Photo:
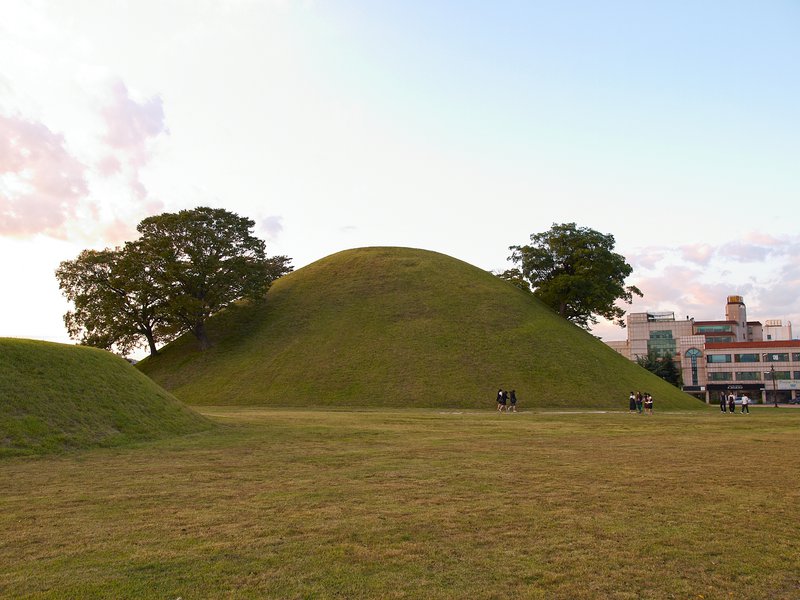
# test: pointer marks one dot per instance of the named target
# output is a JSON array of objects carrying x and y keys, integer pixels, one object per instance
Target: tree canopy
[
  {"x": 575, "y": 271},
  {"x": 116, "y": 300},
  {"x": 663, "y": 365},
  {"x": 515, "y": 278},
  {"x": 184, "y": 267}
]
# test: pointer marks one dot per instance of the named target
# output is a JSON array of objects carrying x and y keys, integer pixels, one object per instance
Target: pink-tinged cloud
[
  {"x": 646, "y": 258},
  {"x": 41, "y": 183},
  {"x": 137, "y": 188},
  {"x": 761, "y": 239},
  {"x": 121, "y": 227},
  {"x": 700, "y": 254},
  {"x": 667, "y": 290},
  {"x": 759, "y": 247},
  {"x": 153, "y": 206},
  {"x": 746, "y": 252},
  {"x": 109, "y": 165},
  {"x": 700, "y": 290},
  {"x": 782, "y": 295},
  {"x": 130, "y": 128},
  {"x": 119, "y": 232},
  {"x": 687, "y": 292},
  {"x": 130, "y": 125}
]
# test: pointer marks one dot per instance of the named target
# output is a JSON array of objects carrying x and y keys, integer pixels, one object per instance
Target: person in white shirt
[{"x": 745, "y": 404}]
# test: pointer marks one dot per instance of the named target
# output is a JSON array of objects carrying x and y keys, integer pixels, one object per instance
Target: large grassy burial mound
[
  {"x": 56, "y": 397},
  {"x": 400, "y": 327}
]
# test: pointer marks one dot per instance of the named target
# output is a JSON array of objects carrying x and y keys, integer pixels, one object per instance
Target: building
[
  {"x": 768, "y": 370},
  {"x": 716, "y": 357},
  {"x": 775, "y": 330}
]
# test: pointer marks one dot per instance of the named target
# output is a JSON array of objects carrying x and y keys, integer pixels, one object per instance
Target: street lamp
[{"x": 774, "y": 390}]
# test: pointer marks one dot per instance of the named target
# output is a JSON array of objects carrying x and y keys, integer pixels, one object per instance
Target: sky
[{"x": 456, "y": 126}]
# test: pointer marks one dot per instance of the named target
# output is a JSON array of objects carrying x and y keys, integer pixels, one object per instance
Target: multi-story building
[
  {"x": 721, "y": 356},
  {"x": 768, "y": 370}
]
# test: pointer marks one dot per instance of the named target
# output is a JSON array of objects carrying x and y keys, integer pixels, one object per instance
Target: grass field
[{"x": 418, "y": 503}]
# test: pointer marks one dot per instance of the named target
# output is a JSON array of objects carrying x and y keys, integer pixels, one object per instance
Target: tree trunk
[
  {"x": 199, "y": 331},
  {"x": 151, "y": 343}
]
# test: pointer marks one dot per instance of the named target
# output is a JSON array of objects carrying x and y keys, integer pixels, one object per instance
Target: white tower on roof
[{"x": 736, "y": 311}]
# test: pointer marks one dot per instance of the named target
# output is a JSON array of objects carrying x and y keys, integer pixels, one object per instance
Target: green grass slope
[
  {"x": 400, "y": 327},
  {"x": 56, "y": 397}
]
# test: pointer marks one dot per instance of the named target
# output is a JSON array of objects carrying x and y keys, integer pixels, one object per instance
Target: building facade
[{"x": 730, "y": 355}]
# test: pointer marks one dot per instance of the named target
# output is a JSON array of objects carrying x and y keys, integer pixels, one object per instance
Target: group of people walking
[
  {"x": 506, "y": 401},
  {"x": 730, "y": 401},
  {"x": 639, "y": 402}
]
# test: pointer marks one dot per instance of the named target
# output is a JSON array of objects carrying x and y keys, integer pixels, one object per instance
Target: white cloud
[{"x": 272, "y": 226}]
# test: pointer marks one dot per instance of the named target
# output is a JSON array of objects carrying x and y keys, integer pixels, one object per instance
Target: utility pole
[{"x": 774, "y": 389}]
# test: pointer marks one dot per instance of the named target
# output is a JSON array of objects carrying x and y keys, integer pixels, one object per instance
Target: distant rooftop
[{"x": 661, "y": 316}]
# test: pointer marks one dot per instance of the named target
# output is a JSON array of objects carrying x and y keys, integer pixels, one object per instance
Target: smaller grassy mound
[{"x": 55, "y": 397}]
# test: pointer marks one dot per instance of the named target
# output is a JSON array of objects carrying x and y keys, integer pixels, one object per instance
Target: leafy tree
[
  {"x": 515, "y": 277},
  {"x": 184, "y": 268},
  {"x": 662, "y": 365},
  {"x": 205, "y": 259},
  {"x": 575, "y": 271},
  {"x": 117, "y": 301}
]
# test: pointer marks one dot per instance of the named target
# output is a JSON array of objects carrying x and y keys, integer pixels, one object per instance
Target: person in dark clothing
[
  {"x": 639, "y": 402},
  {"x": 512, "y": 397},
  {"x": 632, "y": 402},
  {"x": 501, "y": 402},
  {"x": 722, "y": 402},
  {"x": 732, "y": 403}
]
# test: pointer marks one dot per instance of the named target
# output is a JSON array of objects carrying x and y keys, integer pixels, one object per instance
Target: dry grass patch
[{"x": 416, "y": 503}]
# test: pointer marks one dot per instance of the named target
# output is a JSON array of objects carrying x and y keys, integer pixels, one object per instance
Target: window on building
[
  {"x": 718, "y": 358},
  {"x": 779, "y": 375},
  {"x": 694, "y": 354},
  {"x": 796, "y": 356},
  {"x": 748, "y": 376},
  {"x": 775, "y": 357},
  {"x": 662, "y": 342},
  {"x": 746, "y": 358},
  {"x": 720, "y": 376},
  {"x": 796, "y": 375},
  {"x": 720, "y": 339},
  {"x": 714, "y": 329}
]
